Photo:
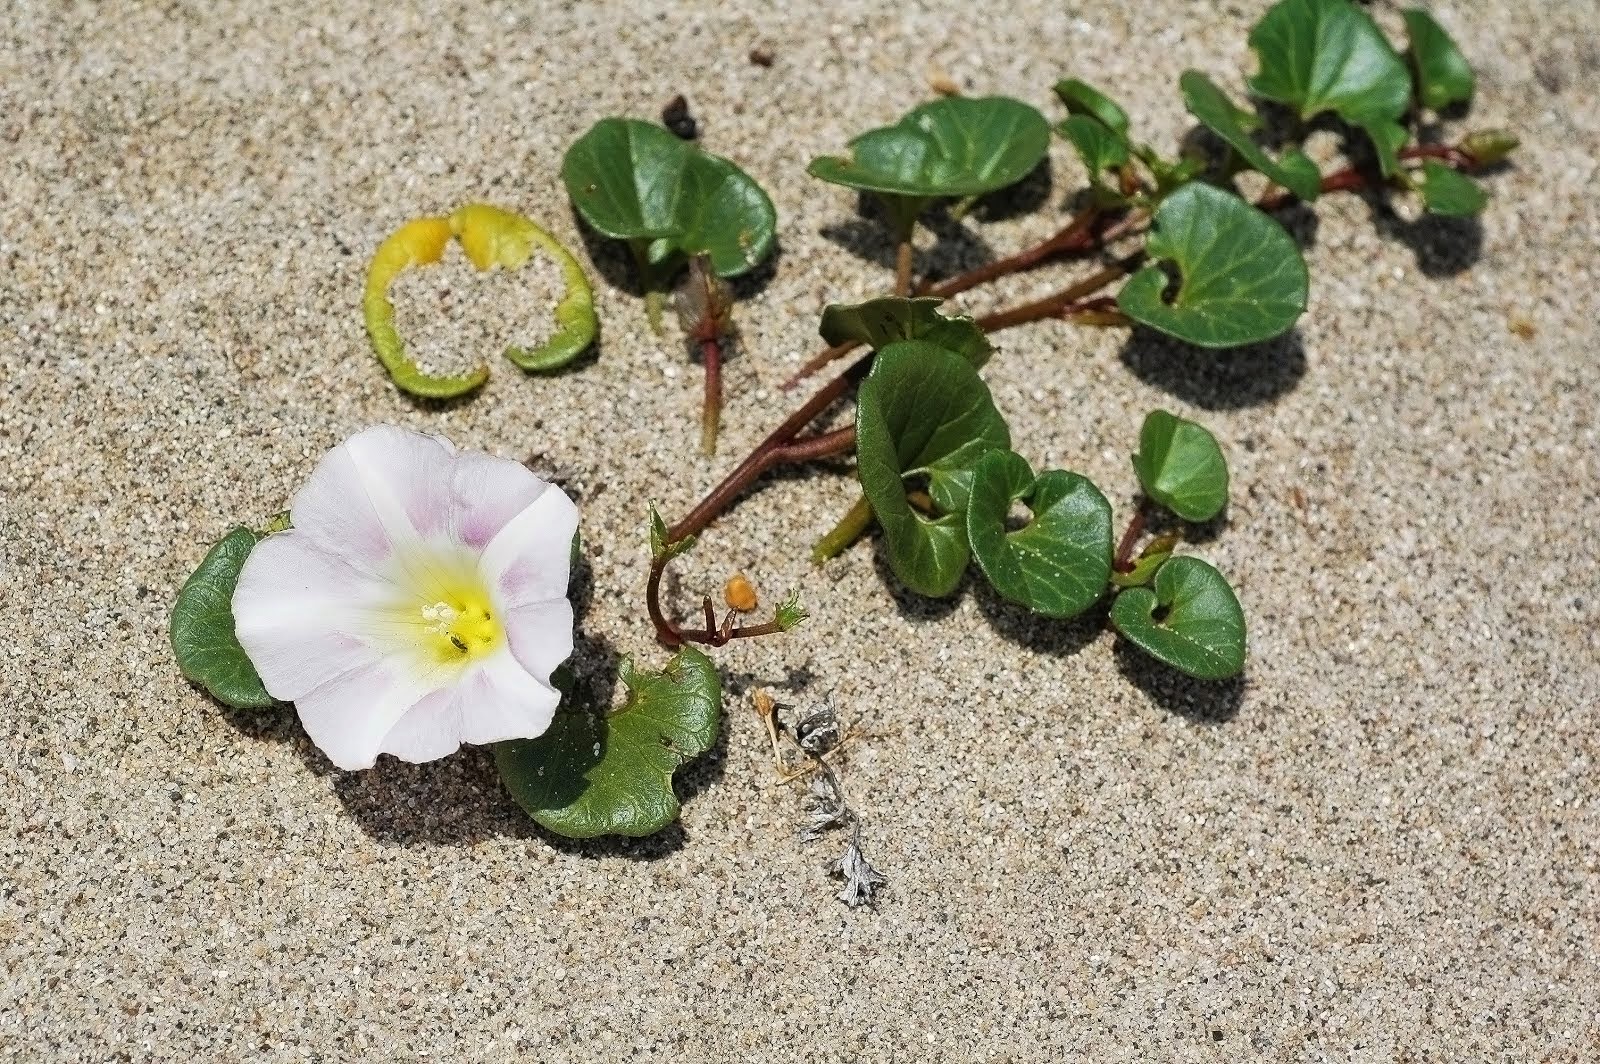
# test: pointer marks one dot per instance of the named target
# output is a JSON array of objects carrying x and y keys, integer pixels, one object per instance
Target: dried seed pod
[{"x": 704, "y": 302}]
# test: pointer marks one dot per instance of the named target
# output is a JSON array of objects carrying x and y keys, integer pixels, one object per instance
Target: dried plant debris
[
  {"x": 816, "y": 737},
  {"x": 676, "y": 117},
  {"x": 861, "y": 880}
]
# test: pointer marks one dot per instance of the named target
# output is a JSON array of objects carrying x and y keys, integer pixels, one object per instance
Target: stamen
[{"x": 442, "y": 615}]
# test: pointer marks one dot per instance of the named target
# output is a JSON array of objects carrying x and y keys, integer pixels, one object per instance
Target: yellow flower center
[{"x": 460, "y": 625}]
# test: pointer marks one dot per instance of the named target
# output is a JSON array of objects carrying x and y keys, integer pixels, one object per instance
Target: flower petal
[
  {"x": 349, "y": 716},
  {"x": 540, "y": 634},
  {"x": 294, "y": 610},
  {"x": 530, "y": 560},
  {"x": 493, "y": 701},
  {"x": 382, "y": 489},
  {"x": 487, "y": 492}
]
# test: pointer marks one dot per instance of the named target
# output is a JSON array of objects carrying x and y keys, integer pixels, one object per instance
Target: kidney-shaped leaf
[
  {"x": 202, "y": 628},
  {"x": 1181, "y": 466},
  {"x": 924, "y": 412},
  {"x": 881, "y": 322},
  {"x": 1443, "y": 75},
  {"x": 1234, "y": 125},
  {"x": 1328, "y": 55},
  {"x": 1449, "y": 192},
  {"x": 958, "y": 146},
  {"x": 1059, "y": 562},
  {"x": 594, "y": 775},
  {"x": 1242, "y": 278},
  {"x": 1190, "y": 620},
  {"x": 636, "y": 181}
]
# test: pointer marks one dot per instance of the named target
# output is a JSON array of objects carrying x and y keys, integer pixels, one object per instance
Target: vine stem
[
  {"x": 902, "y": 267},
  {"x": 672, "y": 636},
  {"x": 1064, "y": 302},
  {"x": 781, "y": 446},
  {"x": 1077, "y": 235},
  {"x": 711, "y": 408},
  {"x": 849, "y": 529},
  {"x": 1350, "y": 179},
  {"x": 1091, "y": 230},
  {"x": 1123, "y": 562},
  {"x": 1088, "y": 231}
]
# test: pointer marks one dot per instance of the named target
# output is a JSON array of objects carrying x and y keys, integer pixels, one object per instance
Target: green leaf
[
  {"x": 1181, "y": 466},
  {"x": 880, "y": 322},
  {"x": 1442, "y": 72},
  {"x": 1201, "y": 627},
  {"x": 1234, "y": 125},
  {"x": 1242, "y": 276},
  {"x": 1449, "y": 192},
  {"x": 1100, "y": 148},
  {"x": 661, "y": 548},
  {"x": 1387, "y": 140},
  {"x": 1058, "y": 564},
  {"x": 202, "y": 629},
  {"x": 924, "y": 412},
  {"x": 790, "y": 614},
  {"x": 958, "y": 146},
  {"x": 1144, "y": 569},
  {"x": 1328, "y": 55},
  {"x": 1083, "y": 99},
  {"x": 636, "y": 181},
  {"x": 594, "y": 775}
]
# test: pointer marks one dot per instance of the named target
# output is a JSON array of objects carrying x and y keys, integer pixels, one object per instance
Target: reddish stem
[
  {"x": 671, "y": 636},
  {"x": 1067, "y": 301},
  {"x": 1123, "y": 562},
  {"x": 1350, "y": 178},
  {"x": 1078, "y": 235},
  {"x": 711, "y": 409},
  {"x": 779, "y": 447},
  {"x": 819, "y": 360}
]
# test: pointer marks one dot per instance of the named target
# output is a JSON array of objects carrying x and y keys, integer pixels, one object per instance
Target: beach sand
[{"x": 1380, "y": 844}]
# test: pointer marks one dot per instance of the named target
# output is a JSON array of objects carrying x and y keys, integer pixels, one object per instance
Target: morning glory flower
[{"x": 418, "y": 603}]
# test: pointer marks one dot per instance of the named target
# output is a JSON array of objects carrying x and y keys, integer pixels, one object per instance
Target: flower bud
[{"x": 1489, "y": 146}]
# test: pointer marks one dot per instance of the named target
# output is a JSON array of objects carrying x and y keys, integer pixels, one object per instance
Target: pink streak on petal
[
  {"x": 486, "y": 493},
  {"x": 530, "y": 560},
  {"x": 406, "y": 477}
]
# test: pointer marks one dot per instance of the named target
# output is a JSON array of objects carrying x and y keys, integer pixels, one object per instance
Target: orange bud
[{"x": 739, "y": 594}]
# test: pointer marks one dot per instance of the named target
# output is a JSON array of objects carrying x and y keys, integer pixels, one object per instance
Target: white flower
[{"x": 419, "y": 601}]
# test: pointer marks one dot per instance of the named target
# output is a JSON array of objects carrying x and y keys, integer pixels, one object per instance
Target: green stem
[
  {"x": 655, "y": 301},
  {"x": 849, "y": 529}
]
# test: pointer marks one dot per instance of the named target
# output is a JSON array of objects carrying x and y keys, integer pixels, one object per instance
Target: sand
[{"x": 1379, "y": 845}]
